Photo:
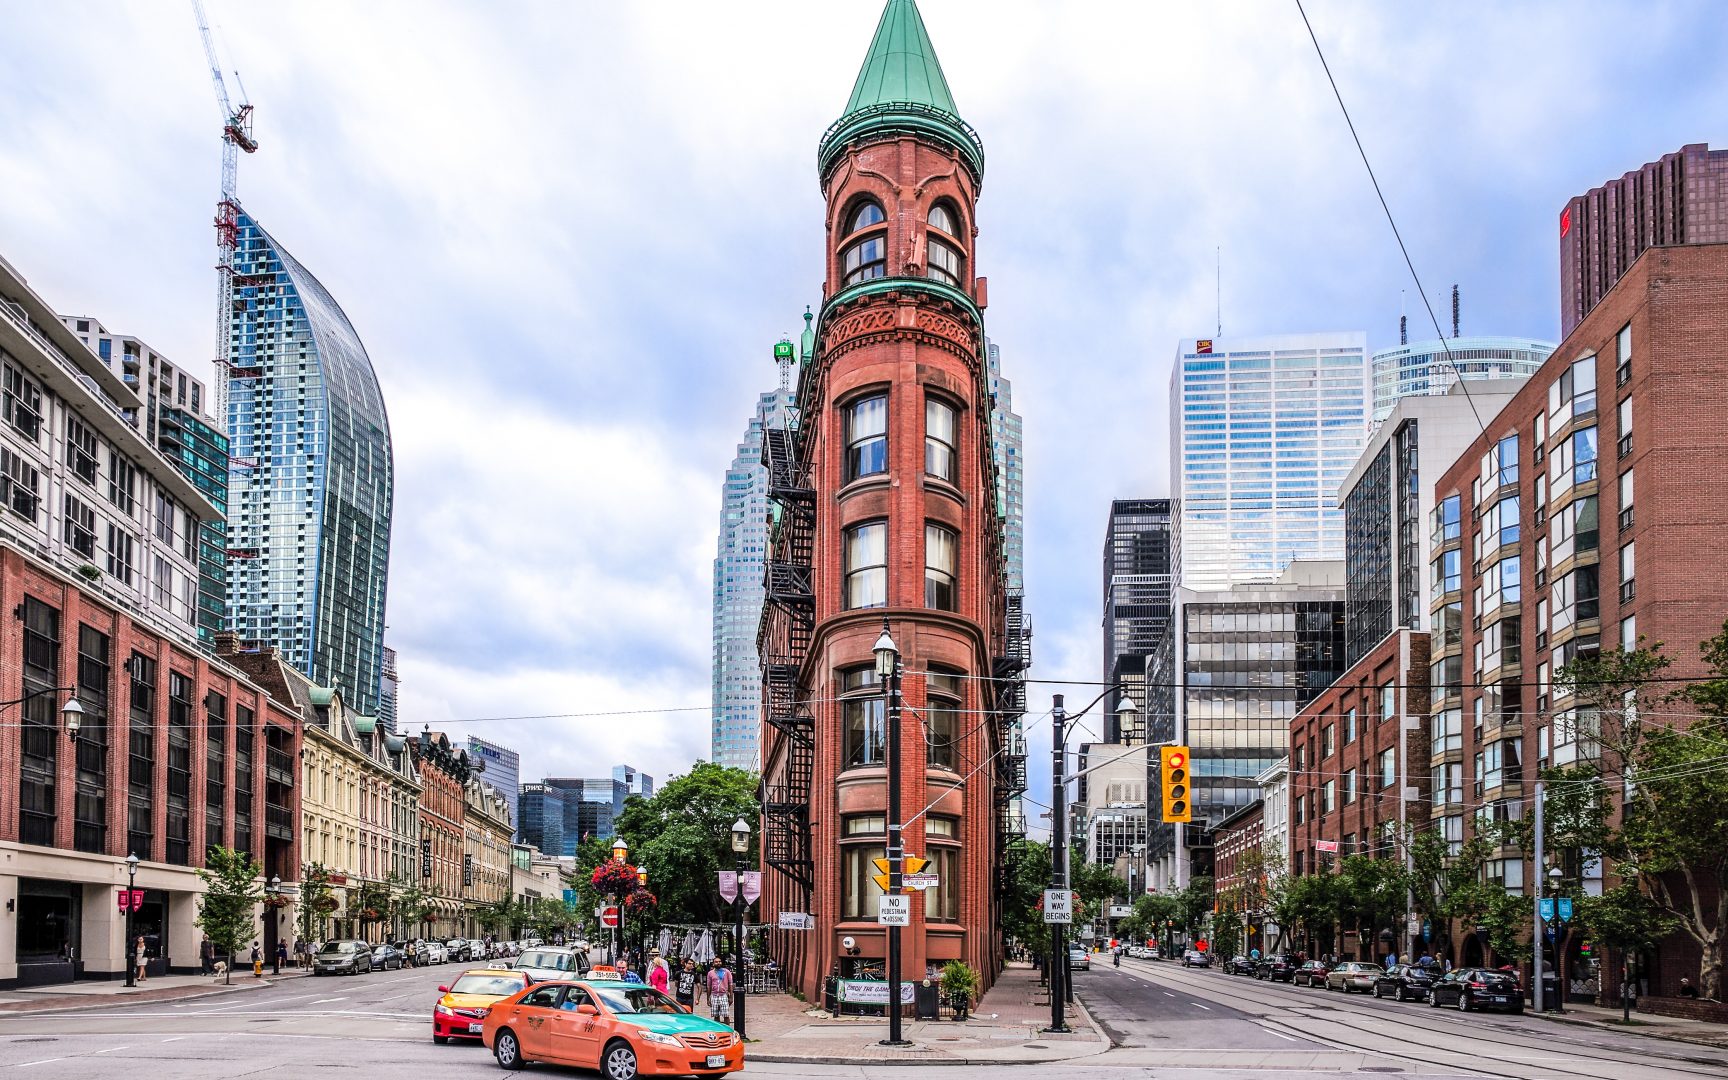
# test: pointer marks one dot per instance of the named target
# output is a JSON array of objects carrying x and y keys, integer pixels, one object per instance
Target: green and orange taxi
[
  {"x": 466, "y": 1001},
  {"x": 623, "y": 1029}
]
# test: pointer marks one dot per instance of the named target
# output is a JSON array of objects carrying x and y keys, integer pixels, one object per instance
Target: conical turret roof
[{"x": 901, "y": 89}]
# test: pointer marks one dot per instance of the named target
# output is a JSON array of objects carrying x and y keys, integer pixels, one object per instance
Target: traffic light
[{"x": 1173, "y": 770}]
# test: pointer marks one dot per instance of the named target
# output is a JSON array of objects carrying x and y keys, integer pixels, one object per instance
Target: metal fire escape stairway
[
  {"x": 783, "y": 642},
  {"x": 1010, "y": 685}
]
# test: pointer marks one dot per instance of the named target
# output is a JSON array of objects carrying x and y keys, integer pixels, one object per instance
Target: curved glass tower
[
  {"x": 1426, "y": 368},
  {"x": 310, "y": 480}
]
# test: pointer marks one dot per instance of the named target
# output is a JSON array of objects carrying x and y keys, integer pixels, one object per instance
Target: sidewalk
[
  {"x": 1004, "y": 1029},
  {"x": 1674, "y": 1028},
  {"x": 115, "y": 991}
]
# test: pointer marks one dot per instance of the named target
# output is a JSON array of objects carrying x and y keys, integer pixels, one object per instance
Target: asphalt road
[{"x": 1166, "y": 1023}]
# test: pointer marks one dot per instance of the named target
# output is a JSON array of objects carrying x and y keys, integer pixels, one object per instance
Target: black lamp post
[
  {"x": 641, "y": 923},
  {"x": 888, "y": 674},
  {"x": 740, "y": 849},
  {"x": 131, "y": 941},
  {"x": 619, "y": 850},
  {"x": 274, "y": 889}
]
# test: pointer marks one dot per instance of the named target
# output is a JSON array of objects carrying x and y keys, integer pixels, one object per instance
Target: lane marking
[
  {"x": 1197, "y": 1005},
  {"x": 176, "y": 1038},
  {"x": 1168, "y": 994},
  {"x": 27, "y": 1064},
  {"x": 1280, "y": 1034},
  {"x": 111, "y": 1049},
  {"x": 321, "y": 1001}
]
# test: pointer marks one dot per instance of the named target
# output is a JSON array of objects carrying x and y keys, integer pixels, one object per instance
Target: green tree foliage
[
  {"x": 683, "y": 835},
  {"x": 1372, "y": 895},
  {"x": 1227, "y": 935},
  {"x": 413, "y": 907},
  {"x": 1024, "y": 880},
  {"x": 1153, "y": 914},
  {"x": 227, "y": 910},
  {"x": 1097, "y": 885},
  {"x": 1625, "y": 918},
  {"x": 1194, "y": 903},
  {"x": 316, "y": 902}
]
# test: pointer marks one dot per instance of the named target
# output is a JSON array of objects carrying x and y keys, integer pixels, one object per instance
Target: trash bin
[
  {"x": 926, "y": 1000},
  {"x": 1550, "y": 994}
]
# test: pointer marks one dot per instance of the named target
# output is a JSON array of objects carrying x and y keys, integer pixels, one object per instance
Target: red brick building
[
  {"x": 888, "y": 509},
  {"x": 177, "y": 751},
  {"x": 444, "y": 773},
  {"x": 1239, "y": 875},
  {"x": 1359, "y": 771},
  {"x": 1589, "y": 514}
]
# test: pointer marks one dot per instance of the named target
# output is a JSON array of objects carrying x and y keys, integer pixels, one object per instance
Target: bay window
[
  {"x": 867, "y": 437},
  {"x": 867, "y": 565}
]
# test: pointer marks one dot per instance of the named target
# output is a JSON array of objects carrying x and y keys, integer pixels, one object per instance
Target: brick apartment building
[
  {"x": 1589, "y": 514},
  {"x": 444, "y": 773},
  {"x": 887, "y": 510}
]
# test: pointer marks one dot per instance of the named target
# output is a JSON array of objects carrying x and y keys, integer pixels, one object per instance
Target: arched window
[
  {"x": 864, "y": 215},
  {"x": 942, "y": 217},
  {"x": 943, "y": 261},
  {"x": 865, "y": 258}
]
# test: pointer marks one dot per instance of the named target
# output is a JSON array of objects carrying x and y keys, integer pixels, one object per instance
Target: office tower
[
  {"x": 1387, "y": 500},
  {"x": 1234, "y": 668},
  {"x": 635, "y": 783},
  {"x": 501, "y": 767},
  {"x": 1008, "y": 448},
  {"x": 1680, "y": 199},
  {"x": 542, "y": 819},
  {"x": 737, "y": 674},
  {"x": 1434, "y": 367},
  {"x": 1137, "y": 585},
  {"x": 1262, "y": 430},
  {"x": 311, "y": 478},
  {"x": 388, "y": 684},
  {"x": 887, "y": 505}
]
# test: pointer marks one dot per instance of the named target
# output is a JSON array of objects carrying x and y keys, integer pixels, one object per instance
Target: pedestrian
[
  {"x": 141, "y": 958},
  {"x": 257, "y": 961},
  {"x": 658, "y": 976},
  {"x": 719, "y": 987},
  {"x": 206, "y": 956},
  {"x": 1687, "y": 990},
  {"x": 281, "y": 957},
  {"x": 684, "y": 990}
]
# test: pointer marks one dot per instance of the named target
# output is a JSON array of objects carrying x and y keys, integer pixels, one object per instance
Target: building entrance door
[{"x": 50, "y": 915}]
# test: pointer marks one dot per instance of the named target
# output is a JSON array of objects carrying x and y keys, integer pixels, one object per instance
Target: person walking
[
  {"x": 684, "y": 989},
  {"x": 257, "y": 961},
  {"x": 207, "y": 956},
  {"x": 658, "y": 977},
  {"x": 140, "y": 958},
  {"x": 281, "y": 957},
  {"x": 719, "y": 987}
]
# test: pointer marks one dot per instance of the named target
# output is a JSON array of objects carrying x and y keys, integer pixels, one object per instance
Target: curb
[
  {"x": 1098, "y": 1044},
  {"x": 1665, "y": 1036},
  {"x": 148, "y": 997}
]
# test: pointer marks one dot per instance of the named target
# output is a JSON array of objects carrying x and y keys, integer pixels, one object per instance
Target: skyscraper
[
  {"x": 502, "y": 769},
  {"x": 635, "y": 781},
  {"x": 388, "y": 685},
  {"x": 1137, "y": 586},
  {"x": 1680, "y": 199},
  {"x": 310, "y": 482},
  {"x": 1433, "y": 367},
  {"x": 542, "y": 820},
  {"x": 1262, "y": 432},
  {"x": 737, "y": 674},
  {"x": 1009, "y": 451}
]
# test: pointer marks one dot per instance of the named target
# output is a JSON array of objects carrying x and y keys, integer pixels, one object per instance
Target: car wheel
[
  {"x": 507, "y": 1050},
  {"x": 1463, "y": 1002},
  {"x": 440, "y": 1039},
  {"x": 619, "y": 1061}
]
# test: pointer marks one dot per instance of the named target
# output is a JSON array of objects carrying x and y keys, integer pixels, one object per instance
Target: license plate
[
  {"x": 715, "y": 1061},
  {"x": 474, "y": 1029},
  {"x": 1500, "y": 997}
]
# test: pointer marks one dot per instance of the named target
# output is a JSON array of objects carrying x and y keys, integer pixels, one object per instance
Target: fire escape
[
  {"x": 1010, "y": 669},
  {"x": 783, "y": 642}
]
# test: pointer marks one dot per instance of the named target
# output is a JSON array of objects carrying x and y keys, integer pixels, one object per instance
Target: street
[{"x": 1163, "y": 1021}]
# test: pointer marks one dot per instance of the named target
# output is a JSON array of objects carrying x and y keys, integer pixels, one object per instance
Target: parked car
[
  {"x": 1478, "y": 988},
  {"x": 625, "y": 1030},
  {"x": 1079, "y": 959},
  {"x": 1353, "y": 975},
  {"x": 342, "y": 957},
  {"x": 1239, "y": 965},
  {"x": 432, "y": 952},
  {"x": 1310, "y": 973},
  {"x": 1196, "y": 958},
  {"x": 1139, "y": 952},
  {"x": 551, "y": 962},
  {"x": 1405, "y": 982},
  {"x": 385, "y": 957},
  {"x": 464, "y": 1004},
  {"x": 1276, "y": 968}
]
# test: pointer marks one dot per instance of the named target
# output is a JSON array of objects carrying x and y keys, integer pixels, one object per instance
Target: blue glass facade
[
  {"x": 1263, "y": 432},
  {"x": 311, "y": 478},
  {"x": 1427, "y": 368},
  {"x": 201, "y": 452},
  {"x": 541, "y": 820}
]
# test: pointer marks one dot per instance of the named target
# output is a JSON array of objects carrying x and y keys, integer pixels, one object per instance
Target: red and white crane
[{"x": 236, "y": 136}]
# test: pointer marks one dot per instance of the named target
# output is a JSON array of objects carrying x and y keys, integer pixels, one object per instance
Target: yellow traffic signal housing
[{"x": 1173, "y": 774}]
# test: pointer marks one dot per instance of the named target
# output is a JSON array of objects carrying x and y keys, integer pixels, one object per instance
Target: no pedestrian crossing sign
[
  {"x": 1058, "y": 906},
  {"x": 894, "y": 910}
]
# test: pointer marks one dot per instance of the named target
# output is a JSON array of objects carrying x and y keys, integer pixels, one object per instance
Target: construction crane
[{"x": 236, "y": 136}]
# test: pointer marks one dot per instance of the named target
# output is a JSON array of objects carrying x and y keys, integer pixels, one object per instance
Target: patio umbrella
[
  {"x": 665, "y": 943},
  {"x": 705, "y": 947},
  {"x": 689, "y": 947}
]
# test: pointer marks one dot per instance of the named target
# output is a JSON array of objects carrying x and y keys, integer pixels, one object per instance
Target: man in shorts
[{"x": 719, "y": 986}]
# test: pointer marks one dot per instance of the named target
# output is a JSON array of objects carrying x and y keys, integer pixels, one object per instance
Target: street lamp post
[
  {"x": 642, "y": 924},
  {"x": 619, "y": 850},
  {"x": 740, "y": 849},
  {"x": 274, "y": 889},
  {"x": 1554, "y": 878},
  {"x": 1061, "y": 979},
  {"x": 888, "y": 673},
  {"x": 131, "y": 942}
]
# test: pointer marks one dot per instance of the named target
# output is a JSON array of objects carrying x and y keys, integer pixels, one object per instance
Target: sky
[{"x": 570, "y": 232}]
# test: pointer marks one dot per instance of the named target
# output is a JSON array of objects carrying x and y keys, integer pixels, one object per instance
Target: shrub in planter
[{"x": 960, "y": 985}]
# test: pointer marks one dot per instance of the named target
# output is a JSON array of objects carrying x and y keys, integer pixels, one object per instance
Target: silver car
[
  {"x": 342, "y": 958},
  {"x": 1354, "y": 976},
  {"x": 551, "y": 963}
]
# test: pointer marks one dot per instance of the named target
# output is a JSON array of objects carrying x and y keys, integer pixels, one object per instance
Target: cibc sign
[{"x": 131, "y": 899}]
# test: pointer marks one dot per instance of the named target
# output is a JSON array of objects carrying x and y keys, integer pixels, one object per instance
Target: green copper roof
[
  {"x": 901, "y": 65},
  {"x": 901, "y": 90}
]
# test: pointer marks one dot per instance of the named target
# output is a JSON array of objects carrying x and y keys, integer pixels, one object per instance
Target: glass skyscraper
[
  {"x": 311, "y": 478},
  {"x": 1424, "y": 368},
  {"x": 1263, "y": 430},
  {"x": 1137, "y": 585},
  {"x": 542, "y": 820},
  {"x": 1009, "y": 451},
  {"x": 738, "y": 564},
  {"x": 503, "y": 771}
]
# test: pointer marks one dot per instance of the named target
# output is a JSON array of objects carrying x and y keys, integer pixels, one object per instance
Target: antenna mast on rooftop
[{"x": 236, "y": 136}]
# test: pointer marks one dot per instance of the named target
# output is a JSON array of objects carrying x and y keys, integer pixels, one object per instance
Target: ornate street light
[
  {"x": 740, "y": 848},
  {"x": 72, "y": 714}
]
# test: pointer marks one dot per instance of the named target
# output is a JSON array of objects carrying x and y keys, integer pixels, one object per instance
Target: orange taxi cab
[
  {"x": 462, "y": 1009},
  {"x": 622, "y": 1029}
]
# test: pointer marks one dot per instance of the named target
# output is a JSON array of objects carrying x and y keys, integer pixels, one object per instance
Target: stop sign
[{"x": 609, "y": 916}]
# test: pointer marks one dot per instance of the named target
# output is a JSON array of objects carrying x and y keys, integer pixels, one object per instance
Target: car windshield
[
  {"x": 625, "y": 1000},
  {"x": 496, "y": 985},
  {"x": 337, "y": 948},
  {"x": 557, "y": 961}
]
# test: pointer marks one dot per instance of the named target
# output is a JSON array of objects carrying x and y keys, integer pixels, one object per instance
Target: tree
[
  {"x": 1315, "y": 903},
  {"x": 413, "y": 907},
  {"x": 499, "y": 915},
  {"x": 1194, "y": 903},
  {"x": 1095, "y": 883},
  {"x": 682, "y": 834},
  {"x": 1025, "y": 877},
  {"x": 316, "y": 902},
  {"x": 1373, "y": 893},
  {"x": 1155, "y": 912},
  {"x": 1626, "y": 919},
  {"x": 227, "y": 910}
]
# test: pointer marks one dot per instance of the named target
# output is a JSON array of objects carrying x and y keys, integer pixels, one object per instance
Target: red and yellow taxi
[
  {"x": 623, "y": 1029},
  {"x": 461, "y": 1011}
]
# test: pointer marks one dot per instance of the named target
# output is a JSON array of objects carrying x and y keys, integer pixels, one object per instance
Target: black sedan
[
  {"x": 1311, "y": 973},
  {"x": 1478, "y": 988},
  {"x": 1406, "y": 982},
  {"x": 1277, "y": 968},
  {"x": 386, "y": 957},
  {"x": 1238, "y": 965}
]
